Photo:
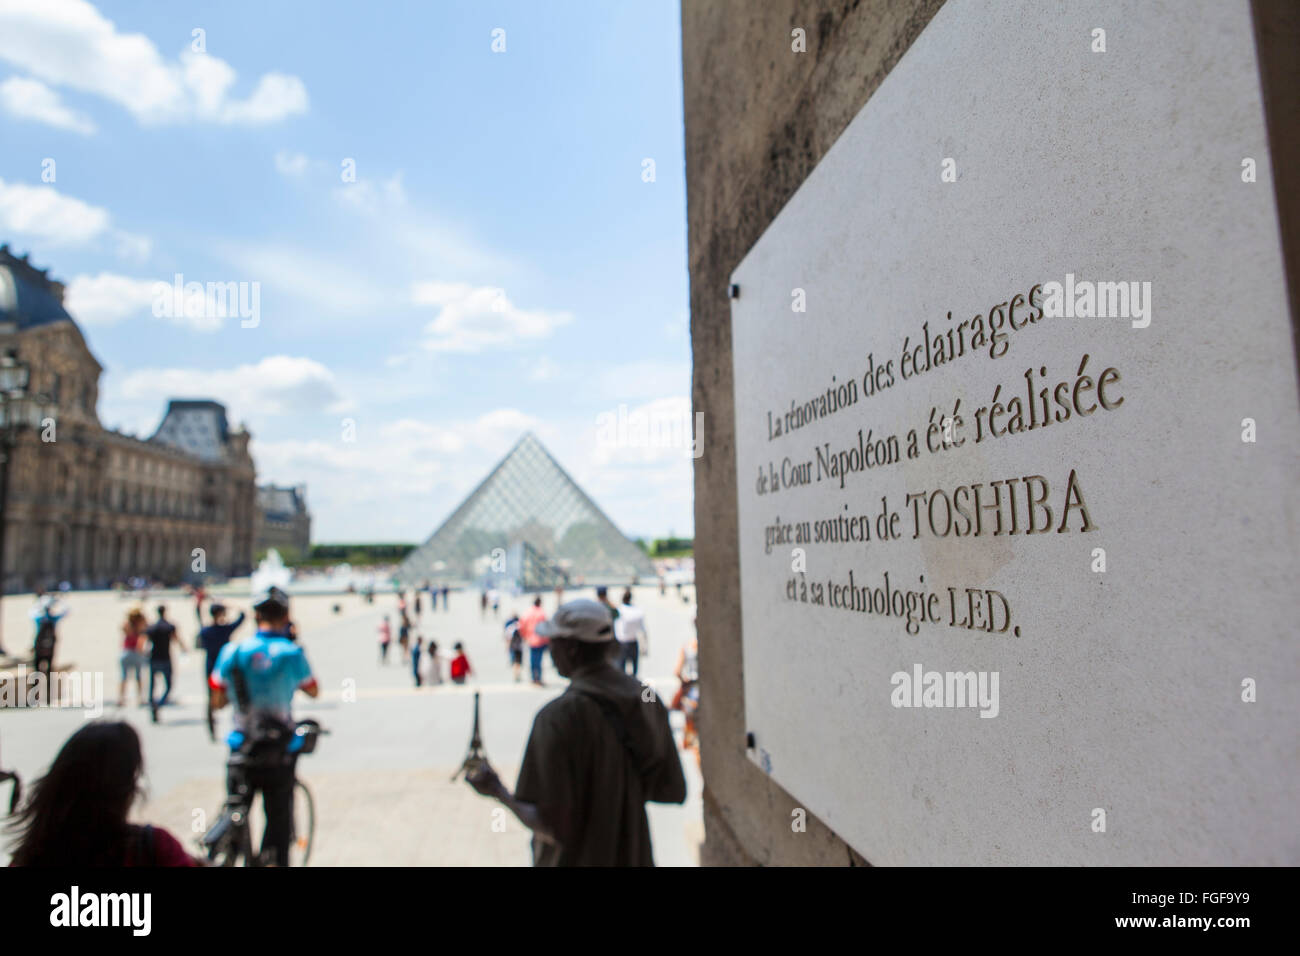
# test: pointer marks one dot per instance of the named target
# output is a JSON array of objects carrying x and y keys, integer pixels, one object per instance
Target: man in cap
[
  {"x": 211, "y": 640},
  {"x": 264, "y": 671},
  {"x": 596, "y": 754}
]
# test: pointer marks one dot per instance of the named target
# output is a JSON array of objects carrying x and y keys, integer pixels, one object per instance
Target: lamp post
[{"x": 18, "y": 410}]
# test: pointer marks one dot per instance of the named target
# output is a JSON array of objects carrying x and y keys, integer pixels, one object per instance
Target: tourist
[
  {"x": 76, "y": 815},
  {"x": 133, "y": 659},
  {"x": 536, "y": 642},
  {"x": 446, "y": 603},
  {"x": 630, "y": 629},
  {"x": 269, "y": 669},
  {"x": 415, "y": 660},
  {"x": 161, "y": 634},
  {"x": 460, "y": 668},
  {"x": 419, "y": 608},
  {"x": 602, "y": 595},
  {"x": 404, "y": 637},
  {"x": 596, "y": 754},
  {"x": 482, "y": 604},
  {"x": 200, "y": 595},
  {"x": 515, "y": 645},
  {"x": 494, "y": 596},
  {"x": 46, "y": 615},
  {"x": 687, "y": 698},
  {"x": 385, "y": 638},
  {"x": 433, "y": 666},
  {"x": 211, "y": 640}
]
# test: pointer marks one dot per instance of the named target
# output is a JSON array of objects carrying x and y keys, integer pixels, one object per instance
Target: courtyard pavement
[{"x": 382, "y": 778}]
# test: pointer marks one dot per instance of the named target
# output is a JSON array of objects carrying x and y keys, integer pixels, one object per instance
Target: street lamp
[{"x": 18, "y": 410}]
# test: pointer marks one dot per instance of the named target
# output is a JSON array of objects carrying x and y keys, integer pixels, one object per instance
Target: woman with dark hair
[{"x": 76, "y": 815}]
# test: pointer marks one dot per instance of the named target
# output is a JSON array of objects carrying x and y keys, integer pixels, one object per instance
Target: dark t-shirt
[
  {"x": 160, "y": 640},
  {"x": 582, "y": 778},
  {"x": 214, "y": 637}
]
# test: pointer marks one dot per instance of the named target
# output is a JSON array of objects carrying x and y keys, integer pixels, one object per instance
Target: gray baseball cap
[{"x": 582, "y": 620}]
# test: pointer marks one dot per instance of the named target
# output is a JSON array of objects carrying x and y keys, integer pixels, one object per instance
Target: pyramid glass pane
[{"x": 527, "y": 499}]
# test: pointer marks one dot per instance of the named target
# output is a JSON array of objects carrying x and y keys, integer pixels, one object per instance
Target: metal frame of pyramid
[{"x": 527, "y": 525}]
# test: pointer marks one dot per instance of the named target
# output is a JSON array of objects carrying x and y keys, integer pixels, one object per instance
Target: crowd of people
[
  {"x": 624, "y": 751},
  {"x": 425, "y": 660}
]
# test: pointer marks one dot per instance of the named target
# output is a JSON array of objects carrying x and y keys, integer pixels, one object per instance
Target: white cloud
[
  {"x": 277, "y": 385},
  {"x": 107, "y": 298},
  {"x": 333, "y": 285},
  {"x": 490, "y": 432},
  {"x": 366, "y": 196},
  {"x": 69, "y": 43},
  {"x": 43, "y": 213},
  {"x": 29, "y": 99},
  {"x": 475, "y": 318},
  {"x": 415, "y": 237},
  {"x": 398, "y": 478},
  {"x": 657, "y": 431},
  {"x": 290, "y": 164},
  {"x": 131, "y": 246}
]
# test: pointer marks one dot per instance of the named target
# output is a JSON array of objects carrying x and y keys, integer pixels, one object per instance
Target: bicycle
[{"x": 229, "y": 840}]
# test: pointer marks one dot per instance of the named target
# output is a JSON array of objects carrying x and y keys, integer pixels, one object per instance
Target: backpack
[{"x": 45, "y": 636}]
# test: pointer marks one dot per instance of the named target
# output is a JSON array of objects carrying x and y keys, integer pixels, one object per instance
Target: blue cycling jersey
[{"x": 274, "y": 667}]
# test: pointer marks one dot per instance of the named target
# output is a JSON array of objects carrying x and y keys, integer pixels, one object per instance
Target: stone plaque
[{"x": 1017, "y": 434}]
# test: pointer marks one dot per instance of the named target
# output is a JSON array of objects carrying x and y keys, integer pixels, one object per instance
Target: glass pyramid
[{"x": 527, "y": 525}]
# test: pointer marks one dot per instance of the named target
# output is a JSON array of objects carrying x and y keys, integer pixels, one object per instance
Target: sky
[{"x": 449, "y": 223}]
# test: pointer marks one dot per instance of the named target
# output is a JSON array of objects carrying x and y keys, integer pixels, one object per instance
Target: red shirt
[
  {"x": 167, "y": 850},
  {"x": 528, "y": 627},
  {"x": 130, "y": 638},
  {"x": 459, "y": 666}
]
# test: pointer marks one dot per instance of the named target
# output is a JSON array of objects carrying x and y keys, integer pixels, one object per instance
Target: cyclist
[{"x": 262, "y": 672}]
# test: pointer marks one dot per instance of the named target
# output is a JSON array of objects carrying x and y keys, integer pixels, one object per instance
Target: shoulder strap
[
  {"x": 619, "y": 726},
  {"x": 144, "y": 846},
  {"x": 239, "y": 682}
]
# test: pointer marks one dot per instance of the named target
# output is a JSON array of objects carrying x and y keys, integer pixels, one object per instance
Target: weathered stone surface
[
  {"x": 1130, "y": 169},
  {"x": 758, "y": 118}
]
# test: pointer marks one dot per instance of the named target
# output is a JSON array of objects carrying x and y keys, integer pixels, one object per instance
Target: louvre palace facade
[{"x": 91, "y": 506}]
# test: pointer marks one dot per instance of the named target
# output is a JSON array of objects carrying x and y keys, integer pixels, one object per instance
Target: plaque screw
[
  {"x": 733, "y": 291},
  {"x": 749, "y": 740}
]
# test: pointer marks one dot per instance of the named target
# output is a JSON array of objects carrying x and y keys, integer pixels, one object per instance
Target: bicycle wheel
[
  {"x": 232, "y": 844},
  {"x": 304, "y": 825}
]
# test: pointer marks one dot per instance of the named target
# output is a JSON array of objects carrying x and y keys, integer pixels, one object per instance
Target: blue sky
[{"x": 499, "y": 263}]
